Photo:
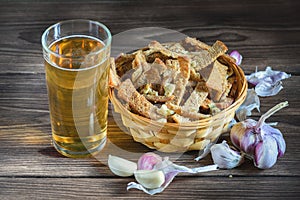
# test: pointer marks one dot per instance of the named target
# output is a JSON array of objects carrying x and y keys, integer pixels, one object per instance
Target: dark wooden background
[{"x": 266, "y": 33}]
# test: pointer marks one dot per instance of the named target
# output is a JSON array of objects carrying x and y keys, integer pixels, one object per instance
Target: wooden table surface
[{"x": 266, "y": 33}]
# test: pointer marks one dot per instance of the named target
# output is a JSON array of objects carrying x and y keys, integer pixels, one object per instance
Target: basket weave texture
[{"x": 174, "y": 137}]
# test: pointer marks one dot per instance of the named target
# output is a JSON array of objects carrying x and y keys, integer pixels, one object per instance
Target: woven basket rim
[{"x": 195, "y": 124}]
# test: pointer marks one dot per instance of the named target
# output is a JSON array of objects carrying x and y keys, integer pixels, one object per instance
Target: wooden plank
[
  {"x": 262, "y": 40},
  {"x": 268, "y": 13},
  {"x": 277, "y": 54},
  {"x": 26, "y": 151},
  {"x": 181, "y": 188}
]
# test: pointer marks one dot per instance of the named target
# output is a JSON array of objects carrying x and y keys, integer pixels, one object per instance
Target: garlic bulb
[
  {"x": 225, "y": 157},
  {"x": 259, "y": 140},
  {"x": 150, "y": 178},
  {"x": 120, "y": 166}
]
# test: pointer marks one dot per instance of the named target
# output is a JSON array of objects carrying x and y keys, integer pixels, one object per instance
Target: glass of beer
[{"x": 76, "y": 55}]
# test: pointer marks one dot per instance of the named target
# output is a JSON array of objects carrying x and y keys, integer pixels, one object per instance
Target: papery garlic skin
[
  {"x": 251, "y": 102},
  {"x": 148, "y": 160},
  {"x": 120, "y": 166},
  {"x": 225, "y": 157},
  {"x": 268, "y": 82}
]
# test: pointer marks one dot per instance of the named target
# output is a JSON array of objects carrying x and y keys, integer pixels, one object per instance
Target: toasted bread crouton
[
  {"x": 147, "y": 72},
  {"x": 139, "y": 64},
  {"x": 170, "y": 73},
  {"x": 223, "y": 73},
  {"x": 159, "y": 65},
  {"x": 157, "y": 47},
  {"x": 175, "y": 47},
  {"x": 159, "y": 99},
  {"x": 139, "y": 60},
  {"x": 205, "y": 58},
  {"x": 157, "y": 68},
  {"x": 193, "y": 103},
  {"x": 215, "y": 77},
  {"x": 192, "y": 44},
  {"x": 212, "y": 76},
  {"x": 218, "y": 49},
  {"x": 136, "y": 101},
  {"x": 223, "y": 80},
  {"x": 225, "y": 103},
  {"x": 227, "y": 90},
  {"x": 157, "y": 50},
  {"x": 124, "y": 63},
  {"x": 181, "y": 79}
]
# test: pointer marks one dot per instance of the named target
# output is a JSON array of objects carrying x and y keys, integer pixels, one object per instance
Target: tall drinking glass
[{"x": 76, "y": 54}]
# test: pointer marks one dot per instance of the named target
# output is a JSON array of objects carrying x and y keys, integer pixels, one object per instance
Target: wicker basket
[{"x": 173, "y": 137}]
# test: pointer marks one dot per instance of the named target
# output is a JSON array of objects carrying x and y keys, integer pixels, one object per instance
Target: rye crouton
[{"x": 136, "y": 101}]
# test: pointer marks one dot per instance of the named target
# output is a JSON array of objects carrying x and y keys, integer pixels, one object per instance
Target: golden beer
[{"x": 77, "y": 82}]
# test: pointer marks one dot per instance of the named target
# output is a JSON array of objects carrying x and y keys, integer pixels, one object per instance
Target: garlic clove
[
  {"x": 237, "y": 56},
  {"x": 148, "y": 160},
  {"x": 281, "y": 146},
  {"x": 120, "y": 166},
  {"x": 277, "y": 135},
  {"x": 249, "y": 141},
  {"x": 150, "y": 178},
  {"x": 265, "y": 154},
  {"x": 243, "y": 137},
  {"x": 225, "y": 157},
  {"x": 160, "y": 177}
]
